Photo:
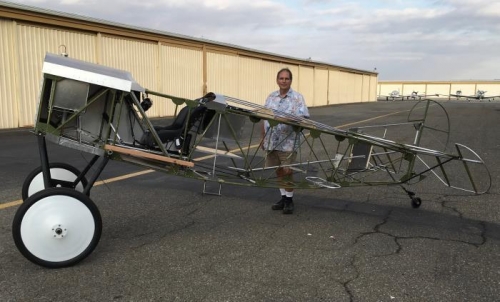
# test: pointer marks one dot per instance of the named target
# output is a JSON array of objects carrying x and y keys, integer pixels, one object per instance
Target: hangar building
[
  {"x": 160, "y": 61},
  {"x": 442, "y": 88}
]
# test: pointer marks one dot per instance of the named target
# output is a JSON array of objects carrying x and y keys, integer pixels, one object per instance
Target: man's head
[{"x": 284, "y": 79}]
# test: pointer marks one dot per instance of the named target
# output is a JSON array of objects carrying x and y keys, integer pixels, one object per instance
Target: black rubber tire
[
  {"x": 416, "y": 202},
  {"x": 40, "y": 229},
  {"x": 37, "y": 171}
]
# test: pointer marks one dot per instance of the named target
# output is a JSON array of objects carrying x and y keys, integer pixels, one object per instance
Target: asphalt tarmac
[{"x": 163, "y": 240}]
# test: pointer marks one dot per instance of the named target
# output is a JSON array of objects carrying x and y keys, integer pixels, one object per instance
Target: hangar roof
[{"x": 35, "y": 14}]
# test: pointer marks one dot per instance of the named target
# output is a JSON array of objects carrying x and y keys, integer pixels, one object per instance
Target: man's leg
[
  {"x": 285, "y": 174},
  {"x": 272, "y": 160}
]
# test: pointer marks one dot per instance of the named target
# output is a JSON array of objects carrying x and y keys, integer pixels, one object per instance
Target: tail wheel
[
  {"x": 61, "y": 172},
  {"x": 57, "y": 227},
  {"x": 416, "y": 202}
]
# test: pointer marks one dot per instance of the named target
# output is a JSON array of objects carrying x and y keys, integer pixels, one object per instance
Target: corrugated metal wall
[
  {"x": 386, "y": 89},
  {"x": 32, "y": 44},
  {"x": 491, "y": 89},
  {"x": 320, "y": 88},
  {"x": 466, "y": 89},
  {"x": 373, "y": 87},
  {"x": 305, "y": 81},
  {"x": 346, "y": 89},
  {"x": 180, "y": 74},
  {"x": 358, "y": 87},
  {"x": 223, "y": 74},
  {"x": 438, "y": 88},
  {"x": 186, "y": 69},
  {"x": 250, "y": 71},
  {"x": 140, "y": 58},
  {"x": 9, "y": 112},
  {"x": 365, "y": 93}
]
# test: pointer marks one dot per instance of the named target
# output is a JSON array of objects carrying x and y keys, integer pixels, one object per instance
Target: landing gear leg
[{"x": 415, "y": 201}]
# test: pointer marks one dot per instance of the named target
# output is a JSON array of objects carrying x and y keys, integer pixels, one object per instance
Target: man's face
[{"x": 284, "y": 80}]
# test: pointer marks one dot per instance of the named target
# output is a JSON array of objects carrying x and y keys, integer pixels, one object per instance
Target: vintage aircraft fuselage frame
[
  {"x": 102, "y": 111},
  {"x": 98, "y": 110}
]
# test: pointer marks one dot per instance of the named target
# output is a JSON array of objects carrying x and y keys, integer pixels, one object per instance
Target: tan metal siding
[
  {"x": 250, "y": 81},
  {"x": 373, "y": 88},
  {"x": 33, "y": 43},
  {"x": 438, "y": 89},
  {"x": 268, "y": 77},
  {"x": 9, "y": 115},
  {"x": 347, "y": 88},
  {"x": 140, "y": 58},
  {"x": 173, "y": 65},
  {"x": 466, "y": 89},
  {"x": 358, "y": 88},
  {"x": 386, "y": 89},
  {"x": 334, "y": 87},
  {"x": 320, "y": 88},
  {"x": 365, "y": 90},
  {"x": 181, "y": 74},
  {"x": 409, "y": 88},
  {"x": 222, "y": 73},
  {"x": 491, "y": 89},
  {"x": 296, "y": 77},
  {"x": 306, "y": 84}
]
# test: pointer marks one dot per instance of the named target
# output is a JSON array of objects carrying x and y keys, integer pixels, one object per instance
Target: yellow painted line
[
  {"x": 97, "y": 183},
  {"x": 371, "y": 119},
  {"x": 118, "y": 178},
  {"x": 10, "y": 204},
  {"x": 126, "y": 176}
]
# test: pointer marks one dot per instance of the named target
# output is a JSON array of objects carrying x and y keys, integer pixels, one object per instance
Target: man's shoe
[
  {"x": 288, "y": 207},
  {"x": 280, "y": 204}
]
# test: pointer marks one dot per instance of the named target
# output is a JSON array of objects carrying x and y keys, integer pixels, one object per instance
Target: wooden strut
[{"x": 137, "y": 153}]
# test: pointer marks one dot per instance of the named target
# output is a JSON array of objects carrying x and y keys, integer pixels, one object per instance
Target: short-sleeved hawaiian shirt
[{"x": 282, "y": 137}]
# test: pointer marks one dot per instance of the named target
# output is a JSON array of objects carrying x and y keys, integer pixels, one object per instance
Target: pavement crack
[
  {"x": 192, "y": 212},
  {"x": 444, "y": 204},
  {"x": 346, "y": 283},
  {"x": 483, "y": 234},
  {"x": 376, "y": 229},
  {"x": 444, "y": 240}
]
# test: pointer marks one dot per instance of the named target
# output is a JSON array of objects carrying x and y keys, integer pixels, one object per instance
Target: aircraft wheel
[
  {"x": 416, "y": 202},
  {"x": 57, "y": 227},
  {"x": 58, "y": 171}
]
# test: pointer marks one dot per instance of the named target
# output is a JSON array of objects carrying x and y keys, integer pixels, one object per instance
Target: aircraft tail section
[{"x": 466, "y": 171}]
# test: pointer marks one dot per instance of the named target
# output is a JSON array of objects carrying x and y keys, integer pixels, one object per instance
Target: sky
[{"x": 405, "y": 40}]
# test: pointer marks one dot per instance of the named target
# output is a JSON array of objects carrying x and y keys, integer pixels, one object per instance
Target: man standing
[{"x": 281, "y": 141}]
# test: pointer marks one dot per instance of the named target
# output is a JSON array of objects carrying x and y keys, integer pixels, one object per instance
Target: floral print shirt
[{"x": 282, "y": 137}]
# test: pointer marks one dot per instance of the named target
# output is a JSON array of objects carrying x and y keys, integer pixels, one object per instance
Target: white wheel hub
[
  {"x": 59, "y": 231},
  {"x": 57, "y": 228}
]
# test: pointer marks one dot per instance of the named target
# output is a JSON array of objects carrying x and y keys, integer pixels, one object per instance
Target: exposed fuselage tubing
[
  {"x": 216, "y": 144},
  {"x": 416, "y": 142}
]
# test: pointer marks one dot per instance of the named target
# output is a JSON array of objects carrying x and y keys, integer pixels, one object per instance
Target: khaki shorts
[{"x": 280, "y": 158}]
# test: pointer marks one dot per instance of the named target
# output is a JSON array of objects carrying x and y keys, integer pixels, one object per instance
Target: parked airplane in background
[
  {"x": 394, "y": 95},
  {"x": 458, "y": 94},
  {"x": 480, "y": 95},
  {"x": 414, "y": 95}
]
